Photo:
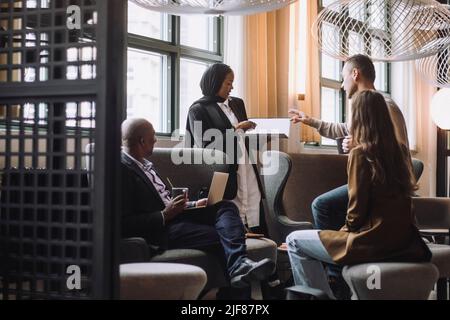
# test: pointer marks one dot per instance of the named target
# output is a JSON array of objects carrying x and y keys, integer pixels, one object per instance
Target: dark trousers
[
  {"x": 330, "y": 211},
  {"x": 218, "y": 226}
]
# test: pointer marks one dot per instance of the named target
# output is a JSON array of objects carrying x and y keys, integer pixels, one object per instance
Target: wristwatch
[{"x": 191, "y": 204}]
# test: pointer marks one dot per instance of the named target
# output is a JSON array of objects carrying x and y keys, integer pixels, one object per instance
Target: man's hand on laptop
[
  {"x": 245, "y": 125},
  {"x": 202, "y": 203},
  {"x": 299, "y": 116},
  {"x": 174, "y": 207}
]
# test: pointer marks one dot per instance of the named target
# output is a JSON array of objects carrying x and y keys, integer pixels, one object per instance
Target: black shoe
[
  {"x": 250, "y": 270},
  {"x": 340, "y": 288}
]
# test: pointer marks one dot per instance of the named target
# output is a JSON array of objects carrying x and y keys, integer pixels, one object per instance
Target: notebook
[{"x": 217, "y": 189}]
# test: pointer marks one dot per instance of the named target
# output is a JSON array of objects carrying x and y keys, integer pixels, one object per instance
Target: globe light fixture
[{"x": 440, "y": 108}]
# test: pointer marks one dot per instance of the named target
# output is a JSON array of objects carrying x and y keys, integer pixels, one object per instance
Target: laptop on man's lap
[{"x": 216, "y": 190}]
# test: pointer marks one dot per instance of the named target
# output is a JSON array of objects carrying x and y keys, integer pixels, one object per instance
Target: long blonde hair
[{"x": 373, "y": 131}]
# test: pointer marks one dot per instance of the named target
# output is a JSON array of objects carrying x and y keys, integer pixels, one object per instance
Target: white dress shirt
[
  {"x": 160, "y": 186},
  {"x": 165, "y": 194},
  {"x": 248, "y": 196}
]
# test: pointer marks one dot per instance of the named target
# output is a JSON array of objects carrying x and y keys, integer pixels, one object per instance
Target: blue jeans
[
  {"x": 329, "y": 211},
  {"x": 306, "y": 254},
  {"x": 211, "y": 228}
]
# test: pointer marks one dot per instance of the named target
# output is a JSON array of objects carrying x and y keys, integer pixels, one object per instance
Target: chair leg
[
  {"x": 265, "y": 290},
  {"x": 273, "y": 291},
  {"x": 257, "y": 292},
  {"x": 305, "y": 293},
  {"x": 441, "y": 289}
]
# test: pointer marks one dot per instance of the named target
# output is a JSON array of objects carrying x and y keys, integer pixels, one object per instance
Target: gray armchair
[
  {"x": 417, "y": 168},
  {"x": 278, "y": 223},
  {"x": 192, "y": 168},
  {"x": 433, "y": 218},
  {"x": 396, "y": 280},
  {"x": 138, "y": 281},
  {"x": 133, "y": 250},
  {"x": 303, "y": 177},
  {"x": 194, "y": 176},
  {"x": 298, "y": 180}
]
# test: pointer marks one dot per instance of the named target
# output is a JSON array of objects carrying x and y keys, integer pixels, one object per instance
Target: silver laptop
[{"x": 217, "y": 189}]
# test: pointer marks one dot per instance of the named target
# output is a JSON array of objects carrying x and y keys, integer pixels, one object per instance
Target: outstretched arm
[{"x": 326, "y": 129}]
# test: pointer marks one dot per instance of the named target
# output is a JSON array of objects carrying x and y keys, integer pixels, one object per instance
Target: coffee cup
[{"x": 339, "y": 145}]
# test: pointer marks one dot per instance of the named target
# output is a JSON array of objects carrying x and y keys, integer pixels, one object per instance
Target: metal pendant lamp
[
  {"x": 213, "y": 7},
  {"x": 384, "y": 30},
  {"x": 436, "y": 69}
]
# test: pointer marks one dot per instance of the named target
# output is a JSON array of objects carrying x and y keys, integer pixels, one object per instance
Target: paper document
[{"x": 271, "y": 126}]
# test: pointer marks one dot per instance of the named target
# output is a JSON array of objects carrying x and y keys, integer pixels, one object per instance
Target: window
[
  {"x": 147, "y": 85},
  {"x": 167, "y": 56},
  {"x": 333, "y": 100},
  {"x": 189, "y": 90},
  {"x": 147, "y": 23},
  {"x": 331, "y": 108},
  {"x": 197, "y": 32}
]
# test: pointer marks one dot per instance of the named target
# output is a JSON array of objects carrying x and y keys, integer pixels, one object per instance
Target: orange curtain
[
  {"x": 311, "y": 105},
  {"x": 273, "y": 52},
  {"x": 266, "y": 63}
]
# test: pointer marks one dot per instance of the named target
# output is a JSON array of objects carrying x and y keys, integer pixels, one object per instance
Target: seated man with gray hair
[{"x": 150, "y": 212}]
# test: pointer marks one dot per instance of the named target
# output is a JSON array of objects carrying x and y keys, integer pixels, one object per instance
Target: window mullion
[
  {"x": 188, "y": 52},
  {"x": 174, "y": 91},
  {"x": 176, "y": 30},
  {"x": 175, "y": 96},
  {"x": 219, "y": 36},
  {"x": 149, "y": 44},
  {"x": 330, "y": 83}
]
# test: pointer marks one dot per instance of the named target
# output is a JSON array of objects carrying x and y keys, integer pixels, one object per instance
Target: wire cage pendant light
[
  {"x": 384, "y": 30},
  {"x": 436, "y": 69},
  {"x": 213, "y": 7}
]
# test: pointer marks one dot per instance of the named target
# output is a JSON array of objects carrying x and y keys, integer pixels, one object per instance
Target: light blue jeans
[
  {"x": 329, "y": 211},
  {"x": 306, "y": 253}
]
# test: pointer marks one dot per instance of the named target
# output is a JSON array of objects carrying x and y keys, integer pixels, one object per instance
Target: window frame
[{"x": 175, "y": 51}]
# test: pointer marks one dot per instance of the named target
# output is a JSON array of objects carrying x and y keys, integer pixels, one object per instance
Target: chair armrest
[
  {"x": 305, "y": 293},
  {"x": 134, "y": 250},
  {"x": 297, "y": 225},
  {"x": 432, "y": 213},
  {"x": 287, "y": 226}
]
